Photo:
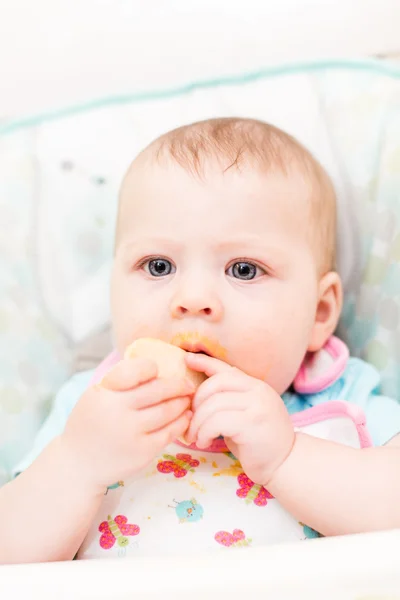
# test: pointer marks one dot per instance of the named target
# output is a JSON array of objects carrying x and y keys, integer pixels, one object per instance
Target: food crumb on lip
[{"x": 197, "y": 343}]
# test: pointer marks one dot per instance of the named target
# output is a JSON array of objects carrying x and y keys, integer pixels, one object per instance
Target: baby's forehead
[
  {"x": 243, "y": 201},
  {"x": 150, "y": 176},
  {"x": 253, "y": 164}
]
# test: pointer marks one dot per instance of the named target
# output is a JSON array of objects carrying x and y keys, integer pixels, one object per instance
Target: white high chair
[{"x": 58, "y": 182}]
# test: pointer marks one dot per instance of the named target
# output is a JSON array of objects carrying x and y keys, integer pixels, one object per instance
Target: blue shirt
[{"x": 359, "y": 384}]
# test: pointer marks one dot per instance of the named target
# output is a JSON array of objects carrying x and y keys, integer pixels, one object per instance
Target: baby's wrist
[
  {"x": 299, "y": 458},
  {"x": 75, "y": 466},
  {"x": 282, "y": 462}
]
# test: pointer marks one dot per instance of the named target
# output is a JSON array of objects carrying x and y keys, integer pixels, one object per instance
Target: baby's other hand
[
  {"x": 118, "y": 426},
  {"x": 246, "y": 411}
]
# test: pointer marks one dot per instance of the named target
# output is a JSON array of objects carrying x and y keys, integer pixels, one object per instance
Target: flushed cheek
[
  {"x": 273, "y": 352},
  {"x": 249, "y": 349},
  {"x": 134, "y": 320},
  {"x": 275, "y": 367},
  {"x": 255, "y": 359}
]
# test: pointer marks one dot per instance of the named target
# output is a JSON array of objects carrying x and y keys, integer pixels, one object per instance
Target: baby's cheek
[
  {"x": 255, "y": 357},
  {"x": 132, "y": 322},
  {"x": 276, "y": 362},
  {"x": 125, "y": 326},
  {"x": 285, "y": 366}
]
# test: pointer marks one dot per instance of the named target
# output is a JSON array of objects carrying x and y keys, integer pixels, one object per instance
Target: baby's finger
[
  {"x": 161, "y": 415},
  {"x": 166, "y": 435},
  {"x": 222, "y": 401},
  {"x": 226, "y": 381},
  {"x": 228, "y": 424},
  {"x": 206, "y": 364},
  {"x": 129, "y": 373},
  {"x": 158, "y": 391}
]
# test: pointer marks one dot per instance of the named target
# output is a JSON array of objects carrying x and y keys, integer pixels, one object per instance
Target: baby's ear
[{"x": 330, "y": 300}]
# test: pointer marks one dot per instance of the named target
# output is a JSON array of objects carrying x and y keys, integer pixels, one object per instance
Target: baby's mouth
[
  {"x": 196, "y": 350},
  {"x": 198, "y": 344}
]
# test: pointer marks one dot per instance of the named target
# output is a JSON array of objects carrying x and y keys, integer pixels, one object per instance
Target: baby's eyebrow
[
  {"x": 142, "y": 242},
  {"x": 239, "y": 244},
  {"x": 254, "y": 243}
]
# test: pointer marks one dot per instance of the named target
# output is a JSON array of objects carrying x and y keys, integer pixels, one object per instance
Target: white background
[{"x": 54, "y": 53}]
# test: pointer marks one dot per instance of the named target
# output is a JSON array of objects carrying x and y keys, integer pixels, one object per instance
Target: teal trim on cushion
[{"x": 374, "y": 66}]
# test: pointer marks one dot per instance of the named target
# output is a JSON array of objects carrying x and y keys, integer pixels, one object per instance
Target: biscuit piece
[{"x": 170, "y": 359}]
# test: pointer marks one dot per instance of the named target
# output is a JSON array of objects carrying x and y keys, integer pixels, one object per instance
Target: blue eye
[
  {"x": 244, "y": 271},
  {"x": 158, "y": 267}
]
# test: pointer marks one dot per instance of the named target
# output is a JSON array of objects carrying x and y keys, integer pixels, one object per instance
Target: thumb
[{"x": 129, "y": 373}]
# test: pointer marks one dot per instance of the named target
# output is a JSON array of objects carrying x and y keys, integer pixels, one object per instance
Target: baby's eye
[
  {"x": 158, "y": 267},
  {"x": 244, "y": 271}
]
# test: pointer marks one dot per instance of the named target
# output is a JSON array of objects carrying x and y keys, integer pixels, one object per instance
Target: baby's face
[{"x": 222, "y": 265}]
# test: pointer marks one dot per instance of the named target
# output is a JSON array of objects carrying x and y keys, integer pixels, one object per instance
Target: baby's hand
[
  {"x": 246, "y": 411},
  {"x": 120, "y": 425}
]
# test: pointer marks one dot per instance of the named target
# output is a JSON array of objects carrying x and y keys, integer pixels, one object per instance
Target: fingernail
[{"x": 102, "y": 383}]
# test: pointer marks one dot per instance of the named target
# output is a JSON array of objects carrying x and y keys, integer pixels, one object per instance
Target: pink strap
[
  {"x": 103, "y": 368},
  {"x": 321, "y": 369}
]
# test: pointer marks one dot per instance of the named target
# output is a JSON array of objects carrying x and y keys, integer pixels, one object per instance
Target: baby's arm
[
  {"x": 114, "y": 430},
  {"x": 47, "y": 510},
  {"x": 331, "y": 487},
  {"x": 340, "y": 490}
]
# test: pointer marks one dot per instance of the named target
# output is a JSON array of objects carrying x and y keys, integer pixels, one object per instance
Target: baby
[{"x": 225, "y": 246}]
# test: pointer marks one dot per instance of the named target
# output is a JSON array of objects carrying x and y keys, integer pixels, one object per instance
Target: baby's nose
[
  {"x": 183, "y": 310},
  {"x": 209, "y": 307}
]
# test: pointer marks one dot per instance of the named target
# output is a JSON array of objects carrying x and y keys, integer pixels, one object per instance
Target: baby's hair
[
  {"x": 233, "y": 143},
  {"x": 238, "y": 143}
]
